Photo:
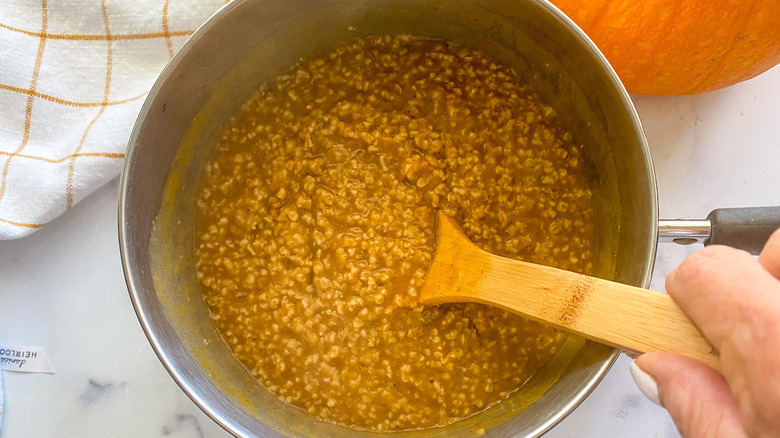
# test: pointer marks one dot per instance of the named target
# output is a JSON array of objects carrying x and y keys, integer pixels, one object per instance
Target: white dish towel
[{"x": 73, "y": 76}]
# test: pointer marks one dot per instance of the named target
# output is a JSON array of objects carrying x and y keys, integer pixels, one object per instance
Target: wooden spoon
[{"x": 611, "y": 313}]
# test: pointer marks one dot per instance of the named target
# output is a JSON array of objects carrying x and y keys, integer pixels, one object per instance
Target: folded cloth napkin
[{"x": 73, "y": 76}]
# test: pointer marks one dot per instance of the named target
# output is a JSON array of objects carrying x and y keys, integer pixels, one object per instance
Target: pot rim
[{"x": 151, "y": 328}]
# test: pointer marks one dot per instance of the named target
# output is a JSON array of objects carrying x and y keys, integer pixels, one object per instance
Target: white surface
[{"x": 63, "y": 289}]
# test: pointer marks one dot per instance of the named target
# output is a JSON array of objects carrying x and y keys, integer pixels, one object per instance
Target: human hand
[{"x": 734, "y": 299}]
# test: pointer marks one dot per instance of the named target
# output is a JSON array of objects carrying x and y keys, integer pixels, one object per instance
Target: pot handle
[{"x": 745, "y": 228}]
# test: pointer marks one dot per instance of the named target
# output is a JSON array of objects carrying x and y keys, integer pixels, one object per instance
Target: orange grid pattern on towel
[{"x": 74, "y": 76}]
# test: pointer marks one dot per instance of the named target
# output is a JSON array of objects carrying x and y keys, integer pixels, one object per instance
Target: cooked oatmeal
[{"x": 315, "y": 228}]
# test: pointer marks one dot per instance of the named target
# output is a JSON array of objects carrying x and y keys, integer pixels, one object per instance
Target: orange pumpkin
[{"x": 663, "y": 47}]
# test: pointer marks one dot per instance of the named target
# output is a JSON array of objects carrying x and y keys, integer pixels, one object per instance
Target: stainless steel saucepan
[{"x": 251, "y": 41}]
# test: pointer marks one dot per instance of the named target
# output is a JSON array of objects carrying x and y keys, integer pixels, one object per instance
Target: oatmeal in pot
[{"x": 315, "y": 228}]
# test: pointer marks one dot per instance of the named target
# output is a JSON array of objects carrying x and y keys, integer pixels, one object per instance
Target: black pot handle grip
[{"x": 744, "y": 228}]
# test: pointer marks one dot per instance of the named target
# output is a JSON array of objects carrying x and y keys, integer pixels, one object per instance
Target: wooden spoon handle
[{"x": 604, "y": 311}]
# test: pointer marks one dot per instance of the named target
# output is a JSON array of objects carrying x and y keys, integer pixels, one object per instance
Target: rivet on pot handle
[{"x": 744, "y": 228}]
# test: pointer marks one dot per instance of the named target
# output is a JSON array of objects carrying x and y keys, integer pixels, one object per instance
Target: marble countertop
[{"x": 63, "y": 288}]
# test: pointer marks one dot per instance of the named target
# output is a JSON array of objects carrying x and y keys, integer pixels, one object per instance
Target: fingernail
[{"x": 645, "y": 383}]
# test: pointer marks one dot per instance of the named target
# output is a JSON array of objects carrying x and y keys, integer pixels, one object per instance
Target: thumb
[{"x": 696, "y": 396}]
